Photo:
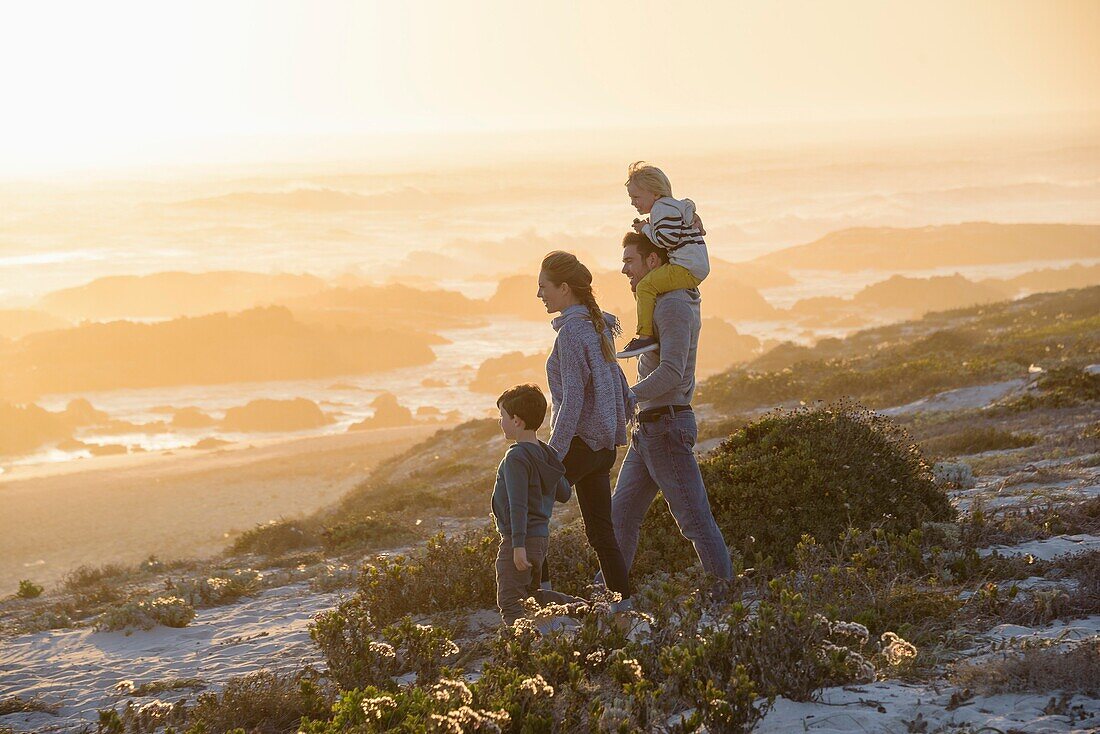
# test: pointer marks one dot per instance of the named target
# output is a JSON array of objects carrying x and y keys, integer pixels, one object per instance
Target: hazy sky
[{"x": 121, "y": 83}]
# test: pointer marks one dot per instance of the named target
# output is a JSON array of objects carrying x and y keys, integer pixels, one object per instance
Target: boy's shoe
[{"x": 638, "y": 345}]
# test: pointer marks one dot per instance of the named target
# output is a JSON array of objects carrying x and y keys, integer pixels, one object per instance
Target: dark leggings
[{"x": 590, "y": 474}]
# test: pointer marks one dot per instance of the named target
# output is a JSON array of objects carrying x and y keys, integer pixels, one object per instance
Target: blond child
[{"x": 674, "y": 227}]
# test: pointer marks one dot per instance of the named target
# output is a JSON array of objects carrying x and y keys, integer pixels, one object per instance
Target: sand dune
[{"x": 121, "y": 509}]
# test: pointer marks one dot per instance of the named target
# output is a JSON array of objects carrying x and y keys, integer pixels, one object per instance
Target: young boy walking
[{"x": 529, "y": 479}]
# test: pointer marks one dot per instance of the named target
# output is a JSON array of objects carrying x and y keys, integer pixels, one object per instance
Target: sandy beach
[{"x": 185, "y": 504}]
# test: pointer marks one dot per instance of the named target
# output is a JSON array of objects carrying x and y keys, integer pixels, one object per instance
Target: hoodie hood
[
  {"x": 686, "y": 207},
  {"x": 573, "y": 313},
  {"x": 546, "y": 463}
]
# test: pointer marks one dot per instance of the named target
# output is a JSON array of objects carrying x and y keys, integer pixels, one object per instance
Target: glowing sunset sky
[{"x": 119, "y": 83}]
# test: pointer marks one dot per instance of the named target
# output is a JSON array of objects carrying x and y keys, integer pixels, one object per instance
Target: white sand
[
  {"x": 891, "y": 706},
  {"x": 963, "y": 398},
  {"x": 1048, "y": 548},
  {"x": 78, "y": 669}
]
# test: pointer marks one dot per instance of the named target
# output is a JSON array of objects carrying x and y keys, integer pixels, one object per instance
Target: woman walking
[{"x": 591, "y": 403}]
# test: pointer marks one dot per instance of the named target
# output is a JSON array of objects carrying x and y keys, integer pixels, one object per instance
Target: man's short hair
[
  {"x": 525, "y": 402},
  {"x": 645, "y": 246}
]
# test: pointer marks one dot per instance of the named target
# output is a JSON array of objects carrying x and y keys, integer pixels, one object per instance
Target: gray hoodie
[
  {"x": 667, "y": 376},
  {"x": 530, "y": 477}
]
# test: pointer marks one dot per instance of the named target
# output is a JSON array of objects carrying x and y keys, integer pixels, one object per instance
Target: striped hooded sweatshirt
[{"x": 671, "y": 228}]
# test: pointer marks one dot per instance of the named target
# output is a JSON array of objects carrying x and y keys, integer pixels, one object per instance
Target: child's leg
[
  {"x": 538, "y": 548},
  {"x": 512, "y": 584},
  {"x": 660, "y": 280}
]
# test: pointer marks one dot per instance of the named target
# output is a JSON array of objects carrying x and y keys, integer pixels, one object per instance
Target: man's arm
[{"x": 674, "y": 320}]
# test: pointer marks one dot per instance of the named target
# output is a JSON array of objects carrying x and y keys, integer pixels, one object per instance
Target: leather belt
[{"x": 653, "y": 414}]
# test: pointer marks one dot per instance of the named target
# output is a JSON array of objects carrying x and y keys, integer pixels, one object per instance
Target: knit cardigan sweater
[{"x": 590, "y": 396}]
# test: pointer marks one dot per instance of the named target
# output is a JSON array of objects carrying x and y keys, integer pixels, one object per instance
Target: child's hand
[
  {"x": 698, "y": 224},
  {"x": 638, "y": 224},
  {"x": 519, "y": 557}
]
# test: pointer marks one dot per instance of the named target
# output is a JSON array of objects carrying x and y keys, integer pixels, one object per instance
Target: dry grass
[
  {"x": 20, "y": 705},
  {"x": 1039, "y": 670},
  {"x": 171, "y": 684}
]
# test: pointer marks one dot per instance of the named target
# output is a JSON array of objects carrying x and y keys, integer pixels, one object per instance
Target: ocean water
[
  {"x": 466, "y": 228},
  {"x": 345, "y": 398}
]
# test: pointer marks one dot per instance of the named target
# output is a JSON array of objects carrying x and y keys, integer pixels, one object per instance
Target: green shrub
[
  {"x": 426, "y": 581},
  {"x": 48, "y": 619},
  {"x": 262, "y": 701},
  {"x": 366, "y": 532},
  {"x": 887, "y": 582},
  {"x": 29, "y": 590},
  {"x": 976, "y": 441},
  {"x": 359, "y": 654},
  {"x": 139, "y": 719},
  {"x": 814, "y": 471},
  {"x": 170, "y": 611},
  {"x": 443, "y": 707},
  {"x": 220, "y": 588},
  {"x": 83, "y": 578},
  {"x": 20, "y": 705},
  {"x": 276, "y": 538},
  {"x": 1061, "y": 387},
  {"x": 1040, "y": 670}
]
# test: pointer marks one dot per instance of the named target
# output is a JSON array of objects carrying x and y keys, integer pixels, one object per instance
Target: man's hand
[
  {"x": 638, "y": 224},
  {"x": 698, "y": 224},
  {"x": 519, "y": 557}
]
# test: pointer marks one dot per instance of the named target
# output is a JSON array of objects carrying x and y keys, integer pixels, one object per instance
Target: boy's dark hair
[
  {"x": 645, "y": 246},
  {"x": 525, "y": 402}
]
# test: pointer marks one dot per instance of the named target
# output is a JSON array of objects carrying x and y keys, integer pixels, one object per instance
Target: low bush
[
  {"x": 1041, "y": 670},
  {"x": 680, "y": 651},
  {"x": 262, "y": 701},
  {"x": 41, "y": 620},
  {"x": 21, "y": 705},
  {"x": 276, "y": 538},
  {"x": 221, "y": 588},
  {"x": 84, "y": 578},
  {"x": 29, "y": 590},
  {"x": 442, "y": 707},
  {"x": 976, "y": 441},
  {"x": 366, "y": 532},
  {"x": 815, "y": 471},
  {"x": 1061, "y": 387},
  {"x": 170, "y": 684},
  {"x": 170, "y": 611},
  {"x": 426, "y": 581},
  {"x": 953, "y": 475},
  {"x": 1012, "y": 524},
  {"x": 360, "y": 654},
  {"x": 885, "y": 581},
  {"x": 141, "y": 719}
]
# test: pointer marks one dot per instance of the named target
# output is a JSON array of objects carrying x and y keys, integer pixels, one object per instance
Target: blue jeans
[{"x": 660, "y": 458}]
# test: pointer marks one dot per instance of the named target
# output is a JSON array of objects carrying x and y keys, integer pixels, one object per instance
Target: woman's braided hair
[{"x": 564, "y": 267}]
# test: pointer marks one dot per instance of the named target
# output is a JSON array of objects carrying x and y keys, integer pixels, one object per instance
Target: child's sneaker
[{"x": 638, "y": 345}]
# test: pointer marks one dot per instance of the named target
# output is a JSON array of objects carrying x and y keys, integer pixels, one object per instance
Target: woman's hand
[{"x": 519, "y": 557}]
